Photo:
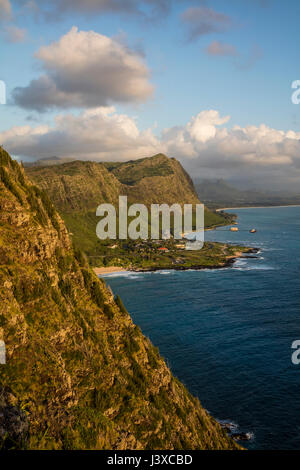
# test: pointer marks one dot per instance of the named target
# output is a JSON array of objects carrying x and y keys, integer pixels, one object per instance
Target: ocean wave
[
  {"x": 161, "y": 271},
  {"x": 252, "y": 265},
  {"x": 272, "y": 249},
  {"x": 137, "y": 275},
  {"x": 254, "y": 268},
  {"x": 126, "y": 274},
  {"x": 234, "y": 430}
]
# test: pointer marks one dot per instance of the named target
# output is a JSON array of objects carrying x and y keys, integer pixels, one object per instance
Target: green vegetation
[
  {"x": 130, "y": 173},
  {"x": 11, "y": 175},
  {"x": 120, "y": 305},
  {"x": 150, "y": 255},
  {"x": 79, "y": 373},
  {"x": 9, "y": 184},
  {"x": 77, "y": 188}
]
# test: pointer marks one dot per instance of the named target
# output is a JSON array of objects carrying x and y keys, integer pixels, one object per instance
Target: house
[{"x": 162, "y": 248}]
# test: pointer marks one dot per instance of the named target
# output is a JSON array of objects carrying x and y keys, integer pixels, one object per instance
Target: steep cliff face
[
  {"x": 155, "y": 180},
  {"x": 79, "y": 373}
]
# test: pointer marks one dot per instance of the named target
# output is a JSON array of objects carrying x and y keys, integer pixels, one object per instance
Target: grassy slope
[{"x": 78, "y": 370}]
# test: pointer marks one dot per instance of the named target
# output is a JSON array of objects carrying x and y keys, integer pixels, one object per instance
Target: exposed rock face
[{"x": 82, "y": 373}]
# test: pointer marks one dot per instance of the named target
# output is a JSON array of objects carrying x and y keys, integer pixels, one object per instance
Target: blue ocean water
[{"x": 227, "y": 333}]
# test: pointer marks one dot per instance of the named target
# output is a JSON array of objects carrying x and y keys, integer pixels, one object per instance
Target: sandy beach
[{"x": 108, "y": 269}]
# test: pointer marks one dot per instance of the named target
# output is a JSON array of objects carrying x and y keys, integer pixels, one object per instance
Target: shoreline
[
  {"x": 109, "y": 269},
  {"x": 227, "y": 264},
  {"x": 256, "y": 207}
]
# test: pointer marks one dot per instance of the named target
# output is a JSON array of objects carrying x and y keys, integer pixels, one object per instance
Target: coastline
[
  {"x": 230, "y": 260},
  {"x": 256, "y": 207}
]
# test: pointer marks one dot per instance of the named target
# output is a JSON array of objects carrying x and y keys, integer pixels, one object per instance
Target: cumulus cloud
[
  {"x": 99, "y": 134},
  {"x": 253, "y": 154},
  {"x": 5, "y": 10},
  {"x": 217, "y": 48},
  {"x": 206, "y": 145},
  {"x": 85, "y": 69},
  {"x": 200, "y": 21}
]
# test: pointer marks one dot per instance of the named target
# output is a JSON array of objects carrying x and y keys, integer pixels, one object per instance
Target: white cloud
[
  {"x": 253, "y": 154},
  {"x": 203, "y": 127},
  {"x": 85, "y": 69},
  {"x": 99, "y": 134},
  {"x": 206, "y": 145}
]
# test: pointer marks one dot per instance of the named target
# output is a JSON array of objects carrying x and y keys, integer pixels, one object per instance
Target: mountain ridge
[{"x": 77, "y": 188}]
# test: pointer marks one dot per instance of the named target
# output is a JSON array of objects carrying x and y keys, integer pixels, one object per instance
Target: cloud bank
[
  {"x": 99, "y": 134},
  {"x": 256, "y": 155},
  {"x": 206, "y": 145},
  {"x": 85, "y": 69}
]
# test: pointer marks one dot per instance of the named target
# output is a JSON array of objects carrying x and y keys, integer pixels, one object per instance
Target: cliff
[{"x": 79, "y": 373}]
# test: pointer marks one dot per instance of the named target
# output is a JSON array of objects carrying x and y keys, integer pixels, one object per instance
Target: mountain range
[{"x": 220, "y": 193}]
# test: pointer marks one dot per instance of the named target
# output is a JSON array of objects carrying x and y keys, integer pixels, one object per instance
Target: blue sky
[
  {"x": 248, "y": 80},
  {"x": 186, "y": 79}
]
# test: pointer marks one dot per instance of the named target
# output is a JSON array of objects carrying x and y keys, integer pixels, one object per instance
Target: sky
[{"x": 207, "y": 82}]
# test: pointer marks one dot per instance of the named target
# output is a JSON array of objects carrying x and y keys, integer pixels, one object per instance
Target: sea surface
[{"x": 227, "y": 333}]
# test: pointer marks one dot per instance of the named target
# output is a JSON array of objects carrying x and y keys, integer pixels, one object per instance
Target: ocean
[{"x": 227, "y": 333}]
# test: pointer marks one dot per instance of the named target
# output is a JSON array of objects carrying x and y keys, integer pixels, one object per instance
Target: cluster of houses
[{"x": 149, "y": 244}]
